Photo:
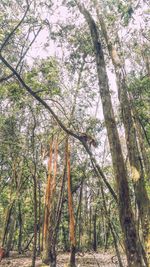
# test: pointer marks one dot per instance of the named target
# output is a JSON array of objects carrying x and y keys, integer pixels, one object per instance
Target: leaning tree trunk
[
  {"x": 133, "y": 249},
  {"x": 7, "y": 223},
  {"x": 137, "y": 172},
  {"x": 71, "y": 213}
]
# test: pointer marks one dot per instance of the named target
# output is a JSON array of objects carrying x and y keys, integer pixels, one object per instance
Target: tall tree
[
  {"x": 132, "y": 246},
  {"x": 137, "y": 172}
]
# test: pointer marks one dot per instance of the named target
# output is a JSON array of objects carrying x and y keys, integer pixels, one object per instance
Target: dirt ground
[{"x": 86, "y": 260}]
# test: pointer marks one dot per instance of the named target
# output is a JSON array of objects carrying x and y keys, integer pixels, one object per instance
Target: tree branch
[
  {"x": 97, "y": 168},
  {"x": 3, "y": 79},
  {"x": 13, "y": 31},
  {"x": 38, "y": 98}
]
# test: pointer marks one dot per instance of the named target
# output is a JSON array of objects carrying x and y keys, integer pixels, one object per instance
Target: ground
[{"x": 86, "y": 260}]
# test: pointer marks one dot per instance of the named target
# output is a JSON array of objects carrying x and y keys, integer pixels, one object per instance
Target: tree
[
  {"x": 132, "y": 246},
  {"x": 137, "y": 173},
  {"x": 62, "y": 94}
]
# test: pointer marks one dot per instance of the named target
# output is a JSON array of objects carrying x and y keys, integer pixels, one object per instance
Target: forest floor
[{"x": 87, "y": 260}]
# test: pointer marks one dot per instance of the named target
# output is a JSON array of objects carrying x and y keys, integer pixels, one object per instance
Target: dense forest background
[{"x": 75, "y": 129}]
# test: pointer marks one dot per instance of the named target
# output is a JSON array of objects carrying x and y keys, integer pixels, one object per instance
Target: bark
[
  {"x": 78, "y": 214},
  {"x": 141, "y": 138},
  {"x": 20, "y": 228},
  {"x": 10, "y": 236},
  {"x": 39, "y": 222},
  {"x": 95, "y": 231},
  {"x": 90, "y": 226},
  {"x": 2, "y": 253},
  {"x": 48, "y": 194},
  {"x": 107, "y": 233},
  {"x": 133, "y": 249},
  {"x": 110, "y": 225},
  {"x": 35, "y": 219},
  {"x": 7, "y": 223},
  {"x": 137, "y": 173},
  {"x": 60, "y": 201},
  {"x": 71, "y": 212},
  {"x": 65, "y": 241},
  {"x": 49, "y": 253}
]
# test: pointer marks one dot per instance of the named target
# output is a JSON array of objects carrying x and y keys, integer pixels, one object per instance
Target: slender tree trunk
[
  {"x": 110, "y": 225},
  {"x": 49, "y": 253},
  {"x": 10, "y": 236},
  {"x": 71, "y": 213},
  {"x": 28, "y": 243},
  {"x": 107, "y": 233},
  {"x": 7, "y": 222},
  {"x": 60, "y": 199},
  {"x": 133, "y": 249},
  {"x": 35, "y": 218},
  {"x": 141, "y": 138},
  {"x": 39, "y": 219},
  {"x": 20, "y": 228},
  {"x": 47, "y": 195},
  {"x": 78, "y": 215},
  {"x": 90, "y": 228},
  {"x": 95, "y": 231},
  {"x": 65, "y": 242}
]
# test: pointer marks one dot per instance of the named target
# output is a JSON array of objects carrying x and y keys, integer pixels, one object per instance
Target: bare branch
[
  {"x": 3, "y": 79},
  {"x": 14, "y": 30}
]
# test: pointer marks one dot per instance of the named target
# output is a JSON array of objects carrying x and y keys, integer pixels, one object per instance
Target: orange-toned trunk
[
  {"x": 49, "y": 254},
  {"x": 48, "y": 191},
  {"x": 55, "y": 165},
  {"x": 71, "y": 213},
  {"x": 2, "y": 253}
]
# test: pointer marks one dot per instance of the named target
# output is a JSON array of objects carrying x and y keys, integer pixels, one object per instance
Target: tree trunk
[
  {"x": 90, "y": 227},
  {"x": 11, "y": 231},
  {"x": 78, "y": 214},
  {"x": 39, "y": 219},
  {"x": 49, "y": 253},
  {"x": 133, "y": 249},
  {"x": 7, "y": 222},
  {"x": 137, "y": 173},
  {"x": 141, "y": 138},
  {"x": 20, "y": 228},
  {"x": 35, "y": 218},
  {"x": 71, "y": 213},
  {"x": 94, "y": 231}
]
